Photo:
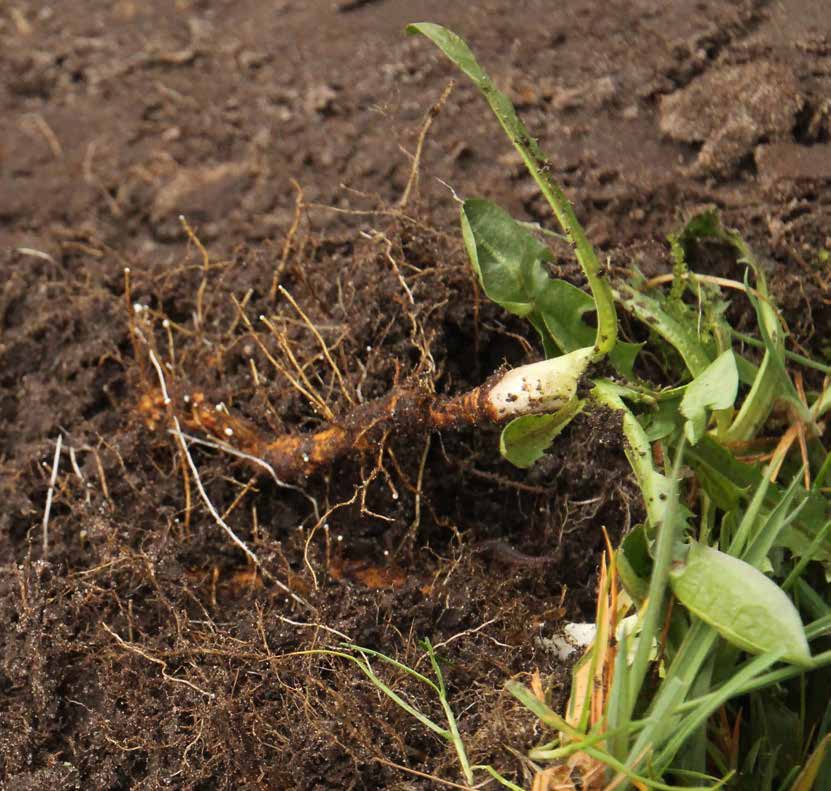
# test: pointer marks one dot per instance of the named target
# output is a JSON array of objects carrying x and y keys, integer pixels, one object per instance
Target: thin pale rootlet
[
  {"x": 731, "y": 606},
  {"x": 146, "y": 652},
  {"x": 132, "y": 547}
]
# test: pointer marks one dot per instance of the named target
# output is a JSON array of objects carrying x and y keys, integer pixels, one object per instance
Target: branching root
[{"x": 413, "y": 410}]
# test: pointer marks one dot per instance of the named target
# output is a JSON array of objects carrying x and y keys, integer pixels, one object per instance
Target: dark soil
[{"x": 141, "y": 651}]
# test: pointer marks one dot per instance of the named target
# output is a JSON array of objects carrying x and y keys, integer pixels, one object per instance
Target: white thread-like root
[
  {"x": 232, "y": 451},
  {"x": 176, "y": 430},
  {"x": 49, "y": 494}
]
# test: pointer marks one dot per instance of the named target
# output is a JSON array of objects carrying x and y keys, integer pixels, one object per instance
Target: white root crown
[{"x": 539, "y": 387}]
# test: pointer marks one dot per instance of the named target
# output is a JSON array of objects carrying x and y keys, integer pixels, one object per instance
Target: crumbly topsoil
[{"x": 142, "y": 651}]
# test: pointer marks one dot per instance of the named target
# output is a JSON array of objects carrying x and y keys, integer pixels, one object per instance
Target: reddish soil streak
[{"x": 143, "y": 653}]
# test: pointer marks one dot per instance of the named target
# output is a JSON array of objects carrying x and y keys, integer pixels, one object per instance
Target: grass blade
[
  {"x": 658, "y": 583},
  {"x": 544, "y": 713},
  {"x": 808, "y": 775},
  {"x": 701, "y": 713}
]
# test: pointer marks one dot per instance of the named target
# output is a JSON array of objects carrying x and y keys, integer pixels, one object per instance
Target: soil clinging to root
[{"x": 139, "y": 646}]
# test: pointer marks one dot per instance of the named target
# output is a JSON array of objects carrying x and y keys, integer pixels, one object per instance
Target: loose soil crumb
[
  {"x": 143, "y": 651},
  {"x": 755, "y": 100}
]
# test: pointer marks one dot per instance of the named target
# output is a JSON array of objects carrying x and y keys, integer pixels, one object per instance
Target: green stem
[
  {"x": 538, "y": 166},
  {"x": 806, "y": 558},
  {"x": 797, "y": 358}
]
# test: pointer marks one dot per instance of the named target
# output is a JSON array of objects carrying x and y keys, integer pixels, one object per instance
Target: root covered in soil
[{"x": 414, "y": 412}]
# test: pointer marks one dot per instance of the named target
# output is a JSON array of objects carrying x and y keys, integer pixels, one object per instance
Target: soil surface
[{"x": 139, "y": 647}]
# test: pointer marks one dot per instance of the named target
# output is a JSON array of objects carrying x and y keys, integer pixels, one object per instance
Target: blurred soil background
[{"x": 141, "y": 651}]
